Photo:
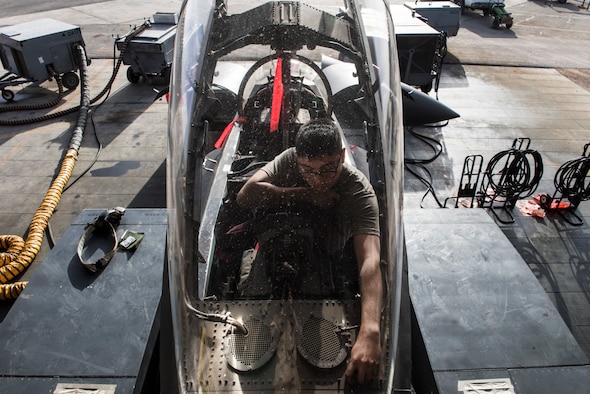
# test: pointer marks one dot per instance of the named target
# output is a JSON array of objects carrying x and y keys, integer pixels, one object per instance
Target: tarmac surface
[{"x": 530, "y": 81}]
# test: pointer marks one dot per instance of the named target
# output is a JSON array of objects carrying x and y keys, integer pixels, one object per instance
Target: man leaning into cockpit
[{"x": 314, "y": 172}]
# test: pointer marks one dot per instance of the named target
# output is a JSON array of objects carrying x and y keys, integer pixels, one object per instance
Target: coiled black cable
[
  {"x": 519, "y": 176},
  {"x": 33, "y": 107},
  {"x": 572, "y": 181}
]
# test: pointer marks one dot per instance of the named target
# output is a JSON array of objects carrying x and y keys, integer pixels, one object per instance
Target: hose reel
[
  {"x": 510, "y": 175},
  {"x": 572, "y": 182}
]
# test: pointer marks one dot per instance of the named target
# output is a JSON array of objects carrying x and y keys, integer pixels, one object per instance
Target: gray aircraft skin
[{"x": 215, "y": 335}]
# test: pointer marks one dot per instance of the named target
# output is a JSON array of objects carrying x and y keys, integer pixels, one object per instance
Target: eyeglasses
[{"x": 328, "y": 170}]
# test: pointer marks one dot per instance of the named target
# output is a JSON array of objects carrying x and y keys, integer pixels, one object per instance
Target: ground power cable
[
  {"x": 48, "y": 231},
  {"x": 415, "y": 166},
  {"x": 35, "y": 107},
  {"x": 16, "y": 253},
  {"x": 92, "y": 111},
  {"x": 19, "y": 253}
]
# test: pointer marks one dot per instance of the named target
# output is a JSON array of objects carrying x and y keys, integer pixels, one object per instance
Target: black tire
[
  {"x": 496, "y": 23},
  {"x": 7, "y": 95},
  {"x": 132, "y": 76},
  {"x": 70, "y": 80},
  {"x": 508, "y": 25}
]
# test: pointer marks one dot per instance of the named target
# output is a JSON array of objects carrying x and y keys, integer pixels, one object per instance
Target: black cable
[
  {"x": 425, "y": 182},
  {"x": 519, "y": 176},
  {"x": 91, "y": 111},
  {"x": 426, "y": 179},
  {"x": 571, "y": 179},
  {"x": 432, "y": 143},
  {"x": 34, "y": 107},
  {"x": 442, "y": 53}
]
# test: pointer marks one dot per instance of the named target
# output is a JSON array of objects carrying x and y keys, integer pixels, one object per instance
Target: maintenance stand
[
  {"x": 73, "y": 329},
  {"x": 149, "y": 53},
  {"x": 482, "y": 322}
]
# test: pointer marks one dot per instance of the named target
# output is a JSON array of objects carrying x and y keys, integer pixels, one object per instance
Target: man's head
[
  {"x": 319, "y": 153},
  {"x": 319, "y": 137}
]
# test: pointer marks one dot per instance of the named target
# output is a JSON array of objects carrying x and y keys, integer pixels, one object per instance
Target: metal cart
[
  {"x": 38, "y": 51},
  {"x": 149, "y": 54}
]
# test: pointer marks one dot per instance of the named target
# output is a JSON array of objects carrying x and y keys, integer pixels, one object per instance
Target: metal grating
[
  {"x": 250, "y": 352},
  {"x": 320, "y": 343}
]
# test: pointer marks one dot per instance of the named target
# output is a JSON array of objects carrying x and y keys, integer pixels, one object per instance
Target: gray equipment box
[
  {"x": 444, "y": 16},
  {"x": 417, "y": 46},
  {"x": 150, "y": 53},
  {"x": 30, "y": 49}
]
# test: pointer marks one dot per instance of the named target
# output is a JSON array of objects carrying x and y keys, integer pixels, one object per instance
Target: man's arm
[
  {"x": 366, "y": 352},
  {"x": 259, "y": 191}
]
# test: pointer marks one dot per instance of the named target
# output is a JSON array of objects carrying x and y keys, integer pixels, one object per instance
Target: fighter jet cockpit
[{"x": 254, "y": 301}]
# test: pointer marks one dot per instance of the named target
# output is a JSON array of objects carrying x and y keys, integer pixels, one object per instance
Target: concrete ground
[{"x": 532, "y": 80}]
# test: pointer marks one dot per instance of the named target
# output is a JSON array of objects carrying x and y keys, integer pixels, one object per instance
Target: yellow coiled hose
[{"x": 18, "y": 254}]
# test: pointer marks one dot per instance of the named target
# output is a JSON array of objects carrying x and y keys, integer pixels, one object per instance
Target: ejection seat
[
  {"x": 258, "y": 139},
  {"x": 239, "y": 234}
]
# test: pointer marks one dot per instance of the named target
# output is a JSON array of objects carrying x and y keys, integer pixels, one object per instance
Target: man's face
[{"x": 321, "y": 173}]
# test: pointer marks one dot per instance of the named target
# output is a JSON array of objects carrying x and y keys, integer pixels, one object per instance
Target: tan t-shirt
[{"x": 356, "y": 211}]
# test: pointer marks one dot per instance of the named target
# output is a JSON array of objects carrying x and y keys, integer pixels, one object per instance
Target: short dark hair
[{"x": 318, "y": 137}]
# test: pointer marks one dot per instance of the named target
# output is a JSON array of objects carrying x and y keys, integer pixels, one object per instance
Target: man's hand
[
  {"x": 366, "y": 352},
  {"x": 364, "y": 359}
]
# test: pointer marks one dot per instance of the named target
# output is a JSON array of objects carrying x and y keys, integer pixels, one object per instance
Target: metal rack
[
  {"x": 572, "y": 186},
  {"x": 510, "y": 175},
  {"x": 149, "y": 54},
  {"x": 469, "y": 181}
]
